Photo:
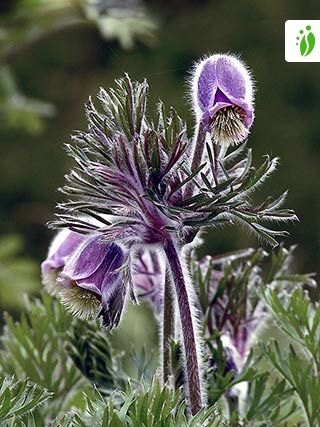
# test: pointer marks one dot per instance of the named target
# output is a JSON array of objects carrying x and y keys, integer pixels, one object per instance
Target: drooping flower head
[
  {"x": 222, "y": 94},
  {"x": 88, "y": 274}
]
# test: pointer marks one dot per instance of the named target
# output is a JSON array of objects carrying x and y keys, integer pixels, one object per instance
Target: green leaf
[
  {"x": 34, "y": 348},
  {"x": 19, "y": 398}
]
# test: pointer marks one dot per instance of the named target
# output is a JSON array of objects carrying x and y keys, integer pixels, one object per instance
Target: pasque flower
[
  {"x": 233, "y": 306},
  {"x": 238, "y": 335},
  {"x": 86, "y": 272},
  {"x": 137, "y": 196},
  {"x": 223, "y": 98}
]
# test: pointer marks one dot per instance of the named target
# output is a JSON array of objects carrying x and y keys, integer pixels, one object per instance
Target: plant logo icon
[{"x": 306, "y": 40}]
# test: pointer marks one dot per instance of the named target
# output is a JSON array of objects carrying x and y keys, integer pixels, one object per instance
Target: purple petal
[
  {"x": 207, "y": 85},
  {"x": 221, "y": 97},
  {"x": 231, "y": 365},
  {"x": 113, "y": 297},
  {"x": 94, "y": 281},
  {"x": 106, "y": 273},
  {"x": 223, "y": 81},
  {"x": 87, "y": 258},
  {"x": 230, "y": 77},
  {"x": 63, "y": 245}
]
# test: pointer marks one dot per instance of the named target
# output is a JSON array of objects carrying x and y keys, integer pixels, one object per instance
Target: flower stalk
[
  {"x": 188, "y": 327},
  {"x": 167, "y": 327},
  {"x": 198, "y": 147},
  {"x": 199, "y": 143}
]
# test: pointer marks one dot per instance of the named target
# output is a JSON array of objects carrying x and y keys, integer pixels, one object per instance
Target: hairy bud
[{"x": 222, "y": 93}]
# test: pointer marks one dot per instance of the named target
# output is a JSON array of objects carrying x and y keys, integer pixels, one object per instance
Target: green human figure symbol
[{"x": 306, "y": 40}]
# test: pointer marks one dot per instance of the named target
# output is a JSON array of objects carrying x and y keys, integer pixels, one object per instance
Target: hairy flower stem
[
  {"x": 198, "y": 147},
  {"x": 199, "y": 144},
  {"x": 168, "y": 327},
  {"x": 188, "y": 327}
]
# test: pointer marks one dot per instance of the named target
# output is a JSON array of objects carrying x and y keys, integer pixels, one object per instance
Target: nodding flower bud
[
  {"x": 86, "y": 272},
  {"x": 222, "y": 93},
  {"x": 90, "y": 274}
]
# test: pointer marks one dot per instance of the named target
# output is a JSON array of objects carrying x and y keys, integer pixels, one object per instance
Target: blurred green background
[{"x": 62, "y": 67}]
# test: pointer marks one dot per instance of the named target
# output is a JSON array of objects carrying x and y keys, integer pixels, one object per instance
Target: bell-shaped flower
[
  {"x": 97, "y": 266},
  {"x": 222, "y": 93},
  {"x": 90, "y": 275}
]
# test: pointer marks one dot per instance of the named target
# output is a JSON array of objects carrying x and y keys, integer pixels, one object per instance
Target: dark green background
[{"x": 67, "y": 68}]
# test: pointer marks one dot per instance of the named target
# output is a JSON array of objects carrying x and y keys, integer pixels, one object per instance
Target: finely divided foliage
[
  {"x": 136, "y": 183},
  {"x": 138, "y": 171},
  {"x": 18, "y": 399},
  {"x": 140, "y": 192},
  {"x": 83, "y": 348}
]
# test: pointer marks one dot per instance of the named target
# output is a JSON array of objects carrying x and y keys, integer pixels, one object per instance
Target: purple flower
[
  {"x": 62, "y": 246},
  {"x": 87, "y": 272},
  {"x": 231, "y": 357},
  {"x": 223, "y": 98},
  {"x": 239, "y": 331},
  {"x": 98, "y": 267},
  {"x": 235, "y": 309},
  {"x": 231, "y": 365},
  {"x": 90, "y": 275}
]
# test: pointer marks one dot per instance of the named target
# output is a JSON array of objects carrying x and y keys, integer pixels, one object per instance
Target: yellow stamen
[
  {"x": 227, "y": 126},
  {"x": 80, "y": 302}
]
